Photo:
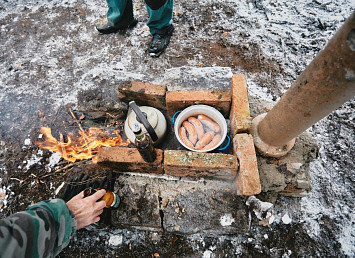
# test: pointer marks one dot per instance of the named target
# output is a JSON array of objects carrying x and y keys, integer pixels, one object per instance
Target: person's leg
[
  {"x": 160, "y": 24},
  {"x": 119, "y": 16},
  {"x": 160, "y": 14}
]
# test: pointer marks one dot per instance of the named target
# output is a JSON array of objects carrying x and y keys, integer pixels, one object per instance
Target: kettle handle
[{"x": 144, "y": 120}]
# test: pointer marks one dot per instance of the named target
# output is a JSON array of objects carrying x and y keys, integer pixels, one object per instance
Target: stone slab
[
  {"x": 139, "y": 205},
  {"x": 180, "y": 206},
  {"x": 101, "y": 102},
  {"x": 143, "y": 93},
  {"x": 197, "y": 78}
]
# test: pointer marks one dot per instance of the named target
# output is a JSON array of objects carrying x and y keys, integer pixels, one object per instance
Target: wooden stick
[
  {"x": 80, "y": 127},
  {"x": 64, "y": 168},
  {"x": 70, "y": 165},
  {"x": 76, "y": 120}
]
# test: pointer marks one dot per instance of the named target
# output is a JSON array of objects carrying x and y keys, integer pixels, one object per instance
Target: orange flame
[{"x": 79, "y": 148}]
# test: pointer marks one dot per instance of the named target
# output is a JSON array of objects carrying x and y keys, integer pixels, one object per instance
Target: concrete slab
[{"x": 179, "y": 205}]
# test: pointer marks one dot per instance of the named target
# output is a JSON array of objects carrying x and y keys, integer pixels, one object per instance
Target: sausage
[
  {"x": 183, "y": 137},
  {"x": 206, "y": 138},
  {"x": 198, "y": 126},
  {"x": 213, "y": 143},
  {"x": 191, "y": 131},
  {"x": 209, "y": 123}
]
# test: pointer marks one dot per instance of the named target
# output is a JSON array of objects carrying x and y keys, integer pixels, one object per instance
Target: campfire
[{"x": 79, "y": 148}]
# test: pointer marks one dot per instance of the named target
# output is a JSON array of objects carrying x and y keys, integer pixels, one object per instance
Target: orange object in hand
[{"x": 111, "y": 199}]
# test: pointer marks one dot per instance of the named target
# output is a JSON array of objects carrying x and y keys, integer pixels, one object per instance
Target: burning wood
[{"x": 79, "y": 148}]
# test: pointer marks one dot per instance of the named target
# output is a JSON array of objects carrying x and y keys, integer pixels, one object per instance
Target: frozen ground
[{"x": 50, "y": 52}]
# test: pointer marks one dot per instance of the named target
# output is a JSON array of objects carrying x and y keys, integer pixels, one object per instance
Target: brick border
[
  {"x": 240, "y": 113},
  {"x": 233, "y": 104}
]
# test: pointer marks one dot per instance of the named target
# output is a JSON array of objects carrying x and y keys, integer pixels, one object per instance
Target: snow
[
  {"x": 207, "y": 254},
  {"x": 53, "y": 160},
  {"x": 286, "y": 219},
  {"x": 347, "y": 237},
  {"x": 289, "y": 34},
  {"x": 115, "y": 240},
  {"x": 287, "y": 254},
  {"x": 226, "y": 220},
  {"x": 35, "y": 159}
]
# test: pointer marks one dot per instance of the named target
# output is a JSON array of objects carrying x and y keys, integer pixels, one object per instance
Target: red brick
[
  {"x": 240, "y": 113},
  {"x": 143, "y": 93},
  {"x": 178, "y": 100},
  {"x": 129, "y": 160},
  {"x": 197, "y": 164},
  {"x": 247, "y": 180}
]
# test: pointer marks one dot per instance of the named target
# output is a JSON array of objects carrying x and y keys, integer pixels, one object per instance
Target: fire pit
[
  {"x": 172, "y": 158},
  {"x": 237, "y": 163}
]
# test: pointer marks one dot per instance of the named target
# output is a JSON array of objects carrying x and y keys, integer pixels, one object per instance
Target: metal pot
[{"x": 196, "y": 110}]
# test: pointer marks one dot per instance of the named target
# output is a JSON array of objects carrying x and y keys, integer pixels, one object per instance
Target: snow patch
[
  {"x": 32, "y": 161},
  {"x": 350, "y": 75},
  {"x": 286, "y": 219},
  {"x": 115, "y": 240},
  {"x": 287, "y": 255},
  {"x": 207, "y": 254},
  {"x": 53, "y": 160},
  {"x": 346, "y": 237},
  {"x": 226, "y": 220}
]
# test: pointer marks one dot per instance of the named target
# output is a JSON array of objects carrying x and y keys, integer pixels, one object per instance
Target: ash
[{"x": 51, "y": 55}]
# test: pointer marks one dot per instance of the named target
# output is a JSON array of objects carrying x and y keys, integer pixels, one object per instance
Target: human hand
[{"x": 87, "y": 210}]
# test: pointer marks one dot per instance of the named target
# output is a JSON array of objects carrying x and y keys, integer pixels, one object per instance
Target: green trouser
[{"x": 120, "y": 13}]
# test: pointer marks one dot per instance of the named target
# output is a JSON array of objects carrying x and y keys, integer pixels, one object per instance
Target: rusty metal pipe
[{"x": 327, "y": 83}]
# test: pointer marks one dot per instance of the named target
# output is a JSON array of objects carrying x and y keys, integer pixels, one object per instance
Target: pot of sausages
[{"x": 200, "y": 128}]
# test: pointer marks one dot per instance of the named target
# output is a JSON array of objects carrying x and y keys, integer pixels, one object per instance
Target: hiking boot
[
  {"x": 160, "y": 41},
  {"x": 107, "y": 29}
]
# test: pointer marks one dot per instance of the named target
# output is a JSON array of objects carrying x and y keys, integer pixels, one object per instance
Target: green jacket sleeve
[{"x": 43, "y": 230}]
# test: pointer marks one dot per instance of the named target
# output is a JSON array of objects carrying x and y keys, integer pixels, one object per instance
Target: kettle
[{"x": 151, "y": 120}]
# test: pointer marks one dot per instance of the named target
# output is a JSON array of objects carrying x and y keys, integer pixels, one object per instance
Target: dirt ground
[{"x": 52, "y": 59}]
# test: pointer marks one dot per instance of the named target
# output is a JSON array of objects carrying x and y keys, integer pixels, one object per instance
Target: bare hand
[{"x": 87, "y": 210}]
